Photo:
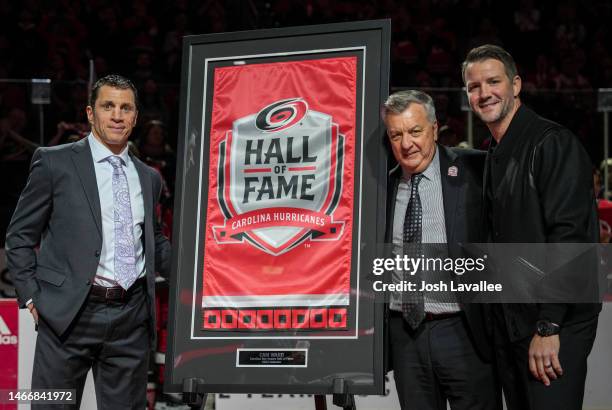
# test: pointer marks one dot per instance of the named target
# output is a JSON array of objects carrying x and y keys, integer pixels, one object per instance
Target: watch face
[
  {"x": 542, "y": 328},
  {"x": 546, "y": 328}
]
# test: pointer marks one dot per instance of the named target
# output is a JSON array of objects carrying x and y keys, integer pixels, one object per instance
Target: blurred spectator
[
  {"x": 172, "y": 46},
  {"x": 155, "y": 151},
  {"x": 28, "y": 46},
  {"x": 140, "y": 21},
  {"x": 13, "y": 145},
  {"x": 69, "y": 132},
  {"x": 405, "y": 62},
  {"x": 109, "y": 43},
  {"x": 569, "y": 78},
  {"x": 487, "y": 34},
  {"x": 439, "y": 63},
  {"x": 12, "y": 95},
  {"x": 527, "y": 18},
  {"x": 448, "y": 136},
  {"x": 144, "y": 67},
  {"x": 151, "y": 105},
  {"x": 527, "y": 30},
  {"x": 569, "y": 28},
  {"x": 542, "y": 77},
  {"x": 597, "y": 183},
  {"x": 101, "y": 67}
]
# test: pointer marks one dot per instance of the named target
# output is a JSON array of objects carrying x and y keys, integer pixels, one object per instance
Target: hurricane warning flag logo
[{"x": 280, "y": 178}]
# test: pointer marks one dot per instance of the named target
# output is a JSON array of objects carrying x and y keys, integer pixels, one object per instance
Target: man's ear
[
  {"x": 90, "y": 113},
  {"x": 516, "y": 85},
  {"x": 435, "y": 130}
]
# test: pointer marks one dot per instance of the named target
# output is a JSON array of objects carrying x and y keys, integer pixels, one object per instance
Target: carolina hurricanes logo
[
  {"x": 280, "y": 178},
  {"x": 281, "y": 115}
]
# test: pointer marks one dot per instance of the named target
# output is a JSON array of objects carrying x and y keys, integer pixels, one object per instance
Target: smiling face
[
  {"x": 113, "y": 117},
  {"x": 493, "y": 96},
  {"x": 413, "y": 138}
]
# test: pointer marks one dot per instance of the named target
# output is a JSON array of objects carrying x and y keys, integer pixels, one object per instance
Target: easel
[{"x": 197, "y": 401}]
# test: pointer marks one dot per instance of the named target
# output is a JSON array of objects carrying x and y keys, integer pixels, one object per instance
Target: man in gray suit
[{"x": 89, "y": 207}]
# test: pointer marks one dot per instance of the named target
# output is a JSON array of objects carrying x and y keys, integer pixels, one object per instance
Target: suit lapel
[
  {"x": 392, "y": 184},
  {"x": 145, "y": 185},
  {"x": 83, "y": 162},
  {"x": 451, "y": 187},
  {"x": 485, "y": 202}
]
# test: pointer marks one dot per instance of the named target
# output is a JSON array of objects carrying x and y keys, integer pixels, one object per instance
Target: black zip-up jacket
[{"x": 539, "y": 189}]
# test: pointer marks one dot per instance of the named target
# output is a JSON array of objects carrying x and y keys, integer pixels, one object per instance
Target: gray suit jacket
[{"x": 59, "y": 212}]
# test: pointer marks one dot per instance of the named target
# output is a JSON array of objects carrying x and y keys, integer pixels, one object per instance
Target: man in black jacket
[
  {"x": 537, "y": 189},
  {"x": 439, "y": 351}
]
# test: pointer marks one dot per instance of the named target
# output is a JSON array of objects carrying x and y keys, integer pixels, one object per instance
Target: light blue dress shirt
[
  {"x": 105, "y": 275},
  {"x": 434, "y": 228}
]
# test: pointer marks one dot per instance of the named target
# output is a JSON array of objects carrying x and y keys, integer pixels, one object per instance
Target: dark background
[{"x": 562, "y": 50}]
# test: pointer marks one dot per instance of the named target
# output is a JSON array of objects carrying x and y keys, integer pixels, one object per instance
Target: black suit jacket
[
  {"x": 59, "y": 212},
  {"x": 541, "y": 191},
  {"x": 463, "y": 218}
]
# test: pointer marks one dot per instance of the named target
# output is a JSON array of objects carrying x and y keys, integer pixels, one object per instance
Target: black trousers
[
  {"x": 110, "y": 338},
  {"x": 437, "y": 363},
  {"x": 521, "y": 390}
]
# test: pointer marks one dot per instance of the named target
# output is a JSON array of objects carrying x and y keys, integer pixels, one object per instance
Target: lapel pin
[{"x": 452, "y": 171}]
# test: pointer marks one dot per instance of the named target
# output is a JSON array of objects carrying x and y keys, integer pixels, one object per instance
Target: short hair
[
  {"x": 398, "y": 102},
  {"x": 115, "y": 81},
  {"x": 494, "y": 52}
]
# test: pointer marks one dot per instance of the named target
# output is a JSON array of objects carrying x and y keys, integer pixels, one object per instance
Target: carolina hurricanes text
[{"x": 278, "y": 216}]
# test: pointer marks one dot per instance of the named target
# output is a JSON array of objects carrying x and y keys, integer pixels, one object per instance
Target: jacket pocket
[{"x": 49, "y": 275}]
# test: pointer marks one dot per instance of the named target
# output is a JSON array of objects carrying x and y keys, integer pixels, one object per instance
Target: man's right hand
[{"x": 33, "y": 311}]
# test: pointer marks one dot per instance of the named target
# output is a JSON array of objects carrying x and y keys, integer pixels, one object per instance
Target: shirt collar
[
  {"x": 432, "y": 169},
  {"x": 99, "y": 152}
]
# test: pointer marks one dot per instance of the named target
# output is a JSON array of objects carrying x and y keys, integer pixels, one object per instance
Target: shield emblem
[{"x": 280, "y": 178}]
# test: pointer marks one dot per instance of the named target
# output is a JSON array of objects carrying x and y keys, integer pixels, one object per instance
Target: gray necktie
[
  {"x": 125, "y": 255},
  {"x": 413, "y": 307}
]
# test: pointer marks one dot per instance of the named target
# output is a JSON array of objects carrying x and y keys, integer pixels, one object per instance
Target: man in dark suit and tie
[
  {"x": 89, "y": 207},
  {"x": 439, "y": 350}
]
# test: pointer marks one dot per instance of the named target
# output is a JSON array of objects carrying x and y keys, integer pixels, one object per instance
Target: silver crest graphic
[{"x": 280, "y": 178}]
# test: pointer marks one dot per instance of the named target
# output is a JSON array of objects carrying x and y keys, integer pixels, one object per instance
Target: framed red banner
[{"x": 279, "y": 206}]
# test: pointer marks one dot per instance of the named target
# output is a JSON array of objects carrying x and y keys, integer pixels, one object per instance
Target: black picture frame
[{"x": 357, "y": 359}]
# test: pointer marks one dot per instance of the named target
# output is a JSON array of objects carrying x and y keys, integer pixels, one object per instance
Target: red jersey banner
[{"x": 280, "y": 195}]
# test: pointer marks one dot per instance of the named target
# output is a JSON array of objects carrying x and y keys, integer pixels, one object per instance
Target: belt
[
  {"x": 430, "y": 316},
  {"x": 115, "y": 293},
  {"x": 439, "y": 316}
]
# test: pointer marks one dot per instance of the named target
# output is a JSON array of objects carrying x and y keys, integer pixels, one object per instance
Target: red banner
[
  {"x": 9, "y": 338},
  {"x": 280, "y": 196}
]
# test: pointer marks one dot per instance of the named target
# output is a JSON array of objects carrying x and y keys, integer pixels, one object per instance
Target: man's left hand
[{"x": 544, "y": 358}]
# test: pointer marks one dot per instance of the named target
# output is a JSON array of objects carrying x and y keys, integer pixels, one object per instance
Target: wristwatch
[{"x": 547, "y": 328}]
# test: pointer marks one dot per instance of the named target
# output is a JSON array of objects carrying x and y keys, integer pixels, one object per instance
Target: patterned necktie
[
  {"x": 125, "y": 255},
  {"x": 413, "y": 306}
]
